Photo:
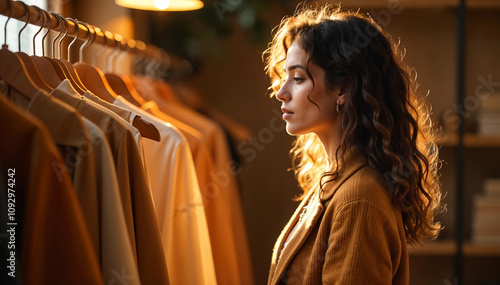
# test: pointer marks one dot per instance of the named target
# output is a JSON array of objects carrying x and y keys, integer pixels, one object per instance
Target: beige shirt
[
  {"x": 133, "y": 183},
  {"x": 55, "y": 246},
  {"x": 178, "y": 203},
  {"x": 218, "y": 204},
  {"x": 116, "y": 248}
]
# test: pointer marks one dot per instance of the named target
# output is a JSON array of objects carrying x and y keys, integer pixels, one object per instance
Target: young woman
[{"x": 365, "y": 154}]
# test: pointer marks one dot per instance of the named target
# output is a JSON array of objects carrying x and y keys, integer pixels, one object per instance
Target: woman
[{"x": 365, "y": 155}]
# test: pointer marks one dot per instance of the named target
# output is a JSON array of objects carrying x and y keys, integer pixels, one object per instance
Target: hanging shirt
[
  {"x": 72, "y": 138},
  {"x": 235, "y": 254},
  {"x": 133, "y": 183},
  {"x": 218, "y": 204},
  {"x": 88, "y": 160},
  {"x": 126, "y": 115},
  {"x": 116, "y": 248},
  {"x": 50, "y": 231},
  {"x": 178, "y": 202}
]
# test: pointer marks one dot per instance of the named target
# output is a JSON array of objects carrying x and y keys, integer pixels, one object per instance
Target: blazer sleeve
[{"x": 364, "y": 246}]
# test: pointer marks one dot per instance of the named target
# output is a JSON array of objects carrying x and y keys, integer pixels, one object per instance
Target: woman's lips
[{"x": 287, "y": 114}]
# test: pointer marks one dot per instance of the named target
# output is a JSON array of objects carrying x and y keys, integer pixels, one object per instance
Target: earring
[{"x": 337, "y": 108}]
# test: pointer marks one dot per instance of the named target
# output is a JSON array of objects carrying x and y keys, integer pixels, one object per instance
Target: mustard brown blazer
[{"x": 355, "y": 236}]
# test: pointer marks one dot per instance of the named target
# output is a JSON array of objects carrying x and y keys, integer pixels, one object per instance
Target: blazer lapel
[{"x": 280, "y": 263}]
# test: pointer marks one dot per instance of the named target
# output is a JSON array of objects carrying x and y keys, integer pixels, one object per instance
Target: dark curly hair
[{"x": 382, "y": 117}]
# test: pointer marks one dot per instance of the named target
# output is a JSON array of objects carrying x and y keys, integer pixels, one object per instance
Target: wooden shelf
[
  {"x": 470, "y": 140},
  {"x": 449, "y": 248},
  {"x": 482, "y": 4},
  {"x": 481, "y": 250},
  {"x": 442, "y": 248}
]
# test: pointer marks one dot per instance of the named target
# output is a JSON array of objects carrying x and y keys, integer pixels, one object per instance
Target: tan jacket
[{"x": 355, "y": 236}]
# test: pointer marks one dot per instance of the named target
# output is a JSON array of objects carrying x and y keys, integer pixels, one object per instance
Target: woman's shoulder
[{"x": 364, "y": 186}]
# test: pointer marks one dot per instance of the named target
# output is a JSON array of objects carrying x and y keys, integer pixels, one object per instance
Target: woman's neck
[{"x": 330, "y": 142}]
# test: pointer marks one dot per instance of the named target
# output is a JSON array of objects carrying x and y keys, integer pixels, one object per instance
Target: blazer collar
[
  {"x": 283, "y": 256},
  {"x": 354, "y": 161}
]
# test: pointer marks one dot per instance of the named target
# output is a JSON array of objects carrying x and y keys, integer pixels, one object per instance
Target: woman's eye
[{"x": 298, "y": 79}]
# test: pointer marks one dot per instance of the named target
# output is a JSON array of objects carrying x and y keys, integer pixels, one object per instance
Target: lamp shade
[{"x": 161, "y": 5}]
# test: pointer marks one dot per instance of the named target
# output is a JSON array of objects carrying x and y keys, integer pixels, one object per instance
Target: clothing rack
[{"x": 17, "y": 10}]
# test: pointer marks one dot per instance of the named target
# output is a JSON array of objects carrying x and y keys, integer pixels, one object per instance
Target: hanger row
[
  {"x": 149, "y": 59},
  {"x": 37, "y": 16}
]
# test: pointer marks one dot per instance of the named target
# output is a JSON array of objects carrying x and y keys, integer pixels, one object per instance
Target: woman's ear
[{"x": 341, "y": 96}]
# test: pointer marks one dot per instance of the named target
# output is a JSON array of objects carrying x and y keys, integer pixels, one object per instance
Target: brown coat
[{"x": 355, "y": 236}]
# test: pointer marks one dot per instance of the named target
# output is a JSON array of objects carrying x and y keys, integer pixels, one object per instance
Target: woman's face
[{"x": 301, "y": 115}]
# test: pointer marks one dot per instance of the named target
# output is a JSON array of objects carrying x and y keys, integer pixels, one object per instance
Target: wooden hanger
[
  {"x": 14, "y": 73},
  {"x": 67, "y": 73},
  {"x": 119, "y": 84},
  {"x": 61, "y": 70},
  {"x": 55, "y": 66},
  {"x": 74, "y": 75},
  {"x": 12, "y": 69},
  {"x": 45, "y": 69},
  {"x": 95, "y": 81},
  {"x": 28, "y": 62},
  {"x": 68, "y": 64},
  {"x": 146, "y": 129},
  {"x": 94, "y": 78},
  {"x": 122, "y": 85},
  {"x": 33, "y": 72}
]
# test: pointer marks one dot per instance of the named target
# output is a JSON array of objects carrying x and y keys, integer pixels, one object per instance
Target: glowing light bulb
[{"x": 161, "y": 4}]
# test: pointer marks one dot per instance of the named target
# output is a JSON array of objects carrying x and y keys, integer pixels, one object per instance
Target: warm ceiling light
[{"x": 161, "y": 5}]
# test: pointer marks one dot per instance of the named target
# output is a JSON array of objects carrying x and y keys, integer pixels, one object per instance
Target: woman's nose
[{"x": 282, "y": 94}]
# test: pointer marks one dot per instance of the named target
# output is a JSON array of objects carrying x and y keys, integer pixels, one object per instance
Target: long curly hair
[{"x": 382, "y": 116}]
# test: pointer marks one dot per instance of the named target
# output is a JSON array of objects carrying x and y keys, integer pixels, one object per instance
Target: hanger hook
[
  {"x": 83, "y": 46},
  {"x": 5, "y": 27},
  {"x": 157, "y": 69},
  {"x": 58, "y": 35},
  {"x": 146, "y": 66},
  {"x": 41, "y": 28},
  {"x": 165, "y": 64},
  {"x": 139, "y": 62},
  {"x": 48, "y": 30},
  {"x": 108, "y": 64},
  {"x": 93, "y": 36},
  {"x": 27, "y": 14},
  {"x": 76, "y": 36},
  {"x": 101, "y": 50},
  {"x": 113, "y": 55},
  {"x": 143, "y": 62},
  {"x": 120, "y": 58},
  {"x": 66, "y": 25},
  {"x": 151, "y": 65}
]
